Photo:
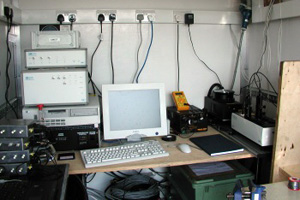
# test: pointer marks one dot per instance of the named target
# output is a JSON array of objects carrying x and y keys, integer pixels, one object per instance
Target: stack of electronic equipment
[
  {"x": 185, "y": 118},
  {"x": 14, "y": 149},
  {"x": 220, "y": 104},
  {"x": 55, "y": 90}
]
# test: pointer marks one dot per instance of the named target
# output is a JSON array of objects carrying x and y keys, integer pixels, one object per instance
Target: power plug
[
  {"x": 72, "y": 18},
  {"x": 60, "y": 18},
  {"x": 140, "y": 17},
  {"x": 101, "y": 18},
  {"x": 150, "y": 18},
  {"x": 8, "y": 12},
  {"x": 189, "y": 18},
  {"x": 112, "y": 17}
]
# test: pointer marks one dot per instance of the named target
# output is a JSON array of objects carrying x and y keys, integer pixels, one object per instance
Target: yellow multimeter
[{"x": 180, "y": 100}]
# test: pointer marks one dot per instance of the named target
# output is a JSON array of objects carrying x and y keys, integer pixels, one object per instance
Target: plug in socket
[
  {"x": 106, "y": 14},
  {"x": 72, "y": 17},
  {"x": 140, "y": 17},
  {"x": 146, "y": 14},
  {"x": 179, "y": 15},
  {"x": 189, "y": 18},
  {"x": 151, "y": 17},
  {"x": 68, "y": 15},
  {"x": 112, "y": 17}
]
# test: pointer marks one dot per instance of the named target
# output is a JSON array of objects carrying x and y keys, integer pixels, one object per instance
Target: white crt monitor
[{"x": 134, "y": 109}]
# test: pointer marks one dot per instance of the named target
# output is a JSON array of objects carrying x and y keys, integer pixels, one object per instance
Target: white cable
[
  {"x": 138, "y": 50},
  {"x": 235, "y": 41},
  {"x": 269, "y": 60},
  {"x": 279, "y": 39},
  {"x": 265, "y": 35}
]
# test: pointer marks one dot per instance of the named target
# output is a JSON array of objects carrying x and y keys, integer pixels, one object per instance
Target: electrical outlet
[
  {"x": 106, "y": 13},
  {"x": 179, "y": 15},
  {"x": 68, "y": 15},
  {"x": 72, "y": 17},
  {"x": 151, "y": 17},
  {"x": 178, "y": 18},
  {"x": 147, "y": 14}
]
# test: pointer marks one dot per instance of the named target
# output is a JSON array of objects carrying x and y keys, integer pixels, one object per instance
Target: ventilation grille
[{"x": 53, "y": 122}]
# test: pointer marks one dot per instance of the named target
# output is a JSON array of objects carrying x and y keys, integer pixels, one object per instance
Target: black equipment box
[
  {"x": 16, "y": 169},
  {"x": 14, "y": 156},
  {"x": 16, "y": 128},
  {"x": 192, "y": 120},
  {"x": 219, "y": 110},
  {"x": 73, "y": 137},
  {"x": 13, "y": 144}
]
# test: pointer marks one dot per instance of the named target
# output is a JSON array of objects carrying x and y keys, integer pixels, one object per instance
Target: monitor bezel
[{"x": 124, "y": 134}]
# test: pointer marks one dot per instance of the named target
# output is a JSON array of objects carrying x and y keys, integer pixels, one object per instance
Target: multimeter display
[{"x": 180, "y": 100}]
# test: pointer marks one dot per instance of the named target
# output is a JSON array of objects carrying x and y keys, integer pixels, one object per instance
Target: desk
[
  {"x": 279, "y": 191},
  {"x": 176, "y": 157}
]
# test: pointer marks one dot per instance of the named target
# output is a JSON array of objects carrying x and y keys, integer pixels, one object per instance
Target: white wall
[
  {"x": 282, "y": 33},
  {"x": 213, "y": 43},
  {"x": 223, "y": 5}
]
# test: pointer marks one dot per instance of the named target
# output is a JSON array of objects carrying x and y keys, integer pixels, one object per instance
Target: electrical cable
[
  {"x": 134, "y": 187},
  {"x": 268, "y": 82},
  {"x": 235, "y": 40},
  {"x": 138, "y": 51},
  {"x": 92, "y": 58},
  {"x": 237, "y": 59},
  {"x": 8, "y": 60},
  {"x": 177, "y": 57},
  {"x": 92, "y": 62},
  {"x": 97, "y": 193},
  {"x": 101, "y": 18},
  {"x": 107, "y": 173},
  {"x": 111, "y": 52},
  {"x": 93, "y": 176},
  {"x": 123, "y": 173},
  {"x": 265, "y": 42},
  {"x": 194, "y": 50},
  {"x": 148, "y": 51},
  {"x": 159, "y": 173},
  {"x": 279, "y": 38}
]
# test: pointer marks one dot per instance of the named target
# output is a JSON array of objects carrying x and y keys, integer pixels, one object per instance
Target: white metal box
[
  {"x": 55, "y": 39},
  {"x": 263, "y": 136},
  {"x": 67, "y": 115},
  {"x": 55, "y": 87},
  {"x": 54, "y": 58}
]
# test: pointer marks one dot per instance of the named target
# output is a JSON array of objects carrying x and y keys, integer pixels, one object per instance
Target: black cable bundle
[
  {"x": 140, "y": 187},
  {"x": 9, "y": 16}
]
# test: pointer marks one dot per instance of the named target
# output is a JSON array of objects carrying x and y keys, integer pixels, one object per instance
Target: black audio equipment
[
  {"x": 192, "y": 120},
  {"x": 220, "y": 110},
  {"x": 73, "y": 137}
]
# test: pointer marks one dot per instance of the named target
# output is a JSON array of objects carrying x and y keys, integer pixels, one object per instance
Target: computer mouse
[{"x": 185, "y": 148}]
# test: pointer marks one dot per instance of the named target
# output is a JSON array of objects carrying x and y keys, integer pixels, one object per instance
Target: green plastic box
[{"x": 187, "y": 185}]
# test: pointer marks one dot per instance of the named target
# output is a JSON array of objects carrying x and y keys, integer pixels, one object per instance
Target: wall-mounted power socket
[
  {"x": 179, "y": 15},
  {"x": 107, "y": 13},
  {"x": 148, "y": 15},
  {"x": 69, "y": 15}
]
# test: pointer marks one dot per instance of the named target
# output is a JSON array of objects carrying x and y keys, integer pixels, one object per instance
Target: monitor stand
[{"x": 135, "y": 137}]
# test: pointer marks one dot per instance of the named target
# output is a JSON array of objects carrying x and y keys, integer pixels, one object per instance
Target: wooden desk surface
[{"x": 176, "y": 157}]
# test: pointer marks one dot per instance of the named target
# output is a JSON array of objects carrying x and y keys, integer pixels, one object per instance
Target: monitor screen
[{"x": 130, "y": 109}]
